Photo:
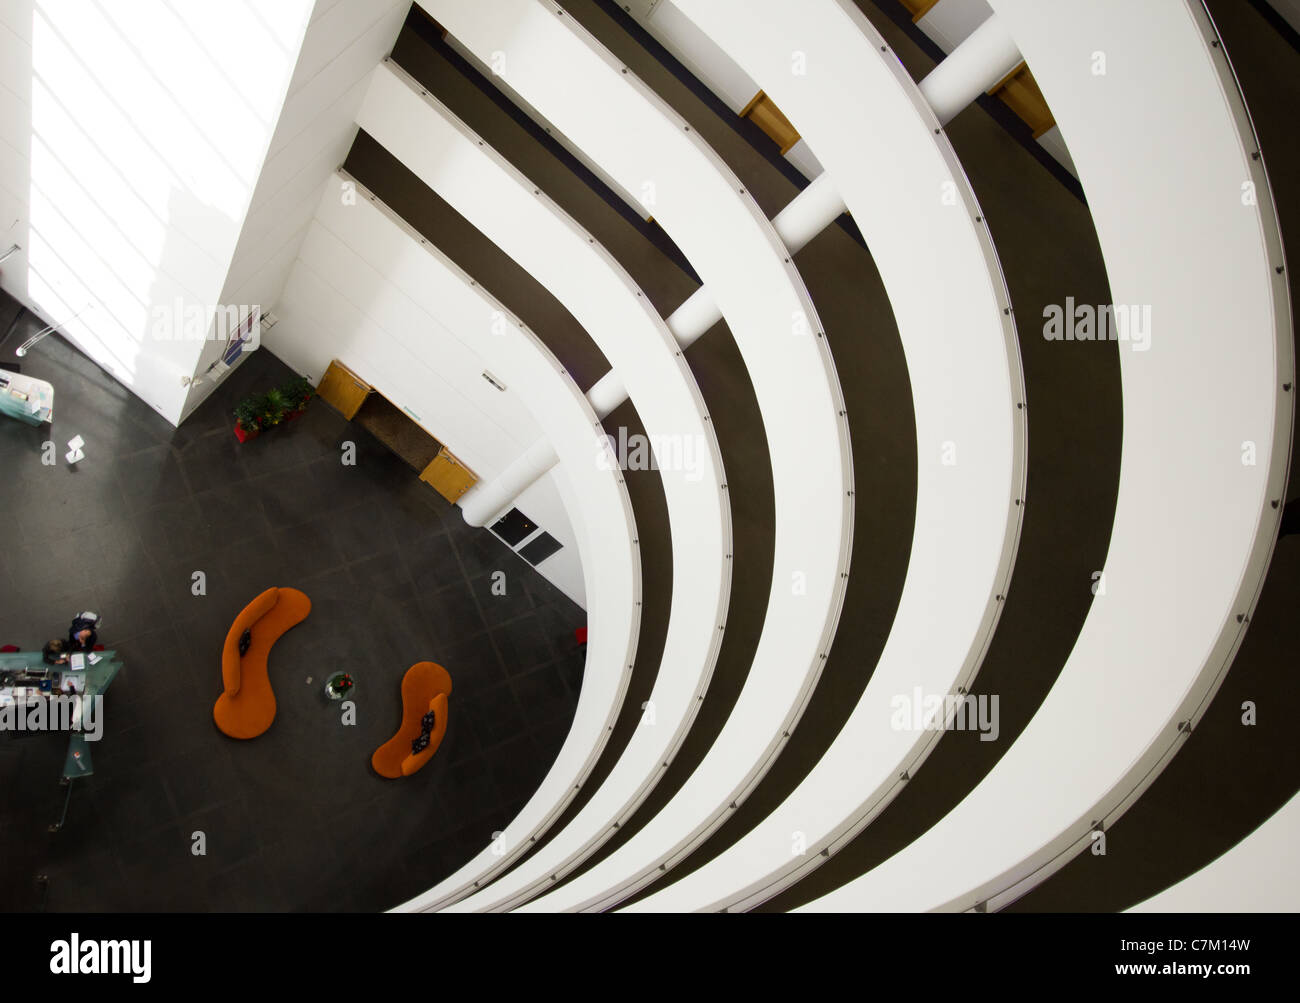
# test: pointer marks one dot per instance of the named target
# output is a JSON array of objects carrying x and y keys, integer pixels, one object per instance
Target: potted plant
[
  {"x": 255, "y": 414},
  {"x": 248, "y": 418},
  {"x": 274, "y": 407},
  {"x": 297, "y": 392},
  {"x": 338, "y": 685}
]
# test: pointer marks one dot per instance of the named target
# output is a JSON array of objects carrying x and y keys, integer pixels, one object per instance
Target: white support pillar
[
  {"x": 484, "y": 503},
  {"x": 987, "y": 55},
  {"x": 807, "y": 215},
  {"x": 696, "y": 314},
  {"x": 606, "y": 394}
]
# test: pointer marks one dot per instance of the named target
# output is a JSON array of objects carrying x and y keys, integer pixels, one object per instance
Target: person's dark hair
[
  {"x": 75, "y": 641},
  {"x": 53, "y": 650}
]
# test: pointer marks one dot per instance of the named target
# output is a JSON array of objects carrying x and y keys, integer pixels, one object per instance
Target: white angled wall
[
  {"x": 950, "y": 22},
  {"x": 160, "y": 158},
  {"x": 317, "y": 126},
  {"x": 132, "y": 137},
  {"x": 366, "y": 291}
]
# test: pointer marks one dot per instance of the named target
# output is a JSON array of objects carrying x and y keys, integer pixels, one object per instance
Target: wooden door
[
  {"x": 342, "y": 389},
  {"x": 1019, "y": 92},
  {"x": 764, "y": 113},
  {"x": 449, "y": 477}
]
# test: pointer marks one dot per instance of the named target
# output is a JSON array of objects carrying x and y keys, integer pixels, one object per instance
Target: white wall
[
  {"x": 499, "y": 81},
  {"x": 343, "y": 43},
  {"x": 701, "y": 55},
  {"x": 132, "y": 137},
  {"x": 367, "y": 290},
  {"x": 948, "y": 22},
  {"x": 543, "y": 503},
  {"x": 713, "y": 67}
]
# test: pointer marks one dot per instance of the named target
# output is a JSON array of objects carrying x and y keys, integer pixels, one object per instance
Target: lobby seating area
[
  {"x": 394, "y": 575},
  {"x": 246, "y": 706}
]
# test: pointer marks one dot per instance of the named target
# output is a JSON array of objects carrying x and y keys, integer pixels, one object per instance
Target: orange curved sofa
[
  {"x": 425, "y": 687},
  {"x": 246, "y": 708}
]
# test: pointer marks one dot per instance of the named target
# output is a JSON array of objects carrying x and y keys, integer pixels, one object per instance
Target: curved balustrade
[
  {"x": 1166, "y": 154},
  {"x": 941, "y": 272},
  {"x": 396, "y": 279},
  {"x": 554, "y": 65},
  {"x": 600, "y": 295}
]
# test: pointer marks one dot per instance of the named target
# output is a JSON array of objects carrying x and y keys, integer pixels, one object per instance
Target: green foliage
[
  {"x": 275, "y": 406},
  {"x": 297, "y": 392},
  {"x": 249, "y": 411},
  {"x": 265, "y": 410}
]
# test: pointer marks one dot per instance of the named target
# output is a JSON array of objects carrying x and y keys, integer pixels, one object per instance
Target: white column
[
  {"x": 484, "y": 503},
  {"x": 808, "y": 213},
  {"x": 979, "y": 62},
  {"x": 606, "y": 394}
]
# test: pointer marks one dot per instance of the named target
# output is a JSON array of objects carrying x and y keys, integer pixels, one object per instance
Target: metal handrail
[{"x": 26, "y": 346}]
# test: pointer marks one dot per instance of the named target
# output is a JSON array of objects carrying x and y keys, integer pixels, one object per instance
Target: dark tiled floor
[{"x": 293, "y": 820}]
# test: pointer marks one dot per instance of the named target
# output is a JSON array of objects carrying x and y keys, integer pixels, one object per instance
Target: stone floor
[{"x": 296, "y": 819}]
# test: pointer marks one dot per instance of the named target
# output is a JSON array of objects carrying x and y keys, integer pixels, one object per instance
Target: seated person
[
  {"x": 55, "y": 652},
  {"x": 81, "y": 635}
]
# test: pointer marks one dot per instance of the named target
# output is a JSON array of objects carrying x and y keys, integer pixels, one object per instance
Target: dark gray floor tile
[
  {"x": 481, "y": 552},
  {"x": 495, "y": 714},
  {"x": 543, "y": 694},
  {"x": 474, "y": 665},
  {"x": 249, "y": 886},
  {"x": 501, "y": 595},
  {"x": 452, "y": 611},
  {"x": 523, "y": 644},
  {"x": 432, "y": 563}
]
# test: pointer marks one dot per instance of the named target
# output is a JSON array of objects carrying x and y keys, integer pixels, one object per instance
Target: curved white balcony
[
  {"x": 554, "y": 65},
  {"x": 910, "y": 198},
  {"x": 378, "y": 282},
  {"x": 1149, "y": 106},
  {"x": 602, "y": 297}
]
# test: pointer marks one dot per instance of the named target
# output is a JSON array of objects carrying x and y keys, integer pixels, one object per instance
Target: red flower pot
[{"x": 243, "y": 436}]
